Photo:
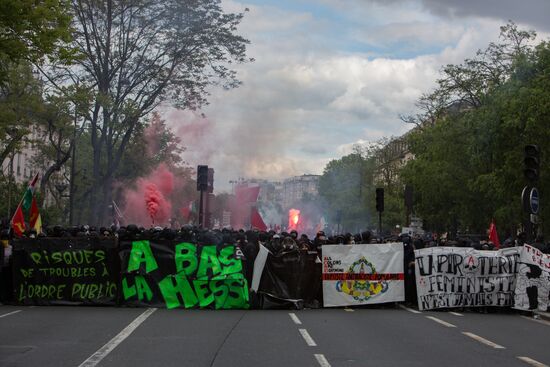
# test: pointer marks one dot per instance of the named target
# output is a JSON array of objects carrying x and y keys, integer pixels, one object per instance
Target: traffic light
[
  {"x": 210, "y": 188},
  {"x": 531, "y": 162},
  {"x": 202, "y": 178},
  {"x": 380, "y": 199}
]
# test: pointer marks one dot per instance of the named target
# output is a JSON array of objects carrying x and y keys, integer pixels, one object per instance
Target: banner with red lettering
[
  {"x": 533, "y": 280},
  {"x": 362, "y": 274},
  {"x": 448, "y": 277}
]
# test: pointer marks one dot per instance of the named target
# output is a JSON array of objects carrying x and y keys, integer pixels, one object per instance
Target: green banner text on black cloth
[
  {"x": 182, "y": 275},
  {"x": 74, "y": 270}
]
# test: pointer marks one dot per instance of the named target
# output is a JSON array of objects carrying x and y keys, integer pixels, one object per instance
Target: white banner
[
  {"x": 362, "y": 274},
  {"x": 533, "y": 280},
  {"x": 259, "y": 264},
  {"x": 449, "y": 277}
]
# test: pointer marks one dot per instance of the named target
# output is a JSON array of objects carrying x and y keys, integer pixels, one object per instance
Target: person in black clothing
[
  {"x": 304, "y": 243},
  {"x": 319, "y": 240},
  {"x": 366, "y": 237},
  {"x": 409, "y": 268}
]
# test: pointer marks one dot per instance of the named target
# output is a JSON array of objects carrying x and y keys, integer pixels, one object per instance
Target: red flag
[
  {"x": 36, "y": 220},
  {"x": 18, "y": 222},
  {"x": 246, "y": 194},
  {"x": 256, "y": 220},
  {"x": 493, "y": 235},
  {"x": 187, "y": 210}
]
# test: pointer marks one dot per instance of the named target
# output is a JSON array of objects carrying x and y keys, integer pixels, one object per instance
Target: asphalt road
[{"x": 377, "y": 337}]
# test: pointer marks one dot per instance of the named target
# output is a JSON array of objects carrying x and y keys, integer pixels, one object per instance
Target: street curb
[{"x": 542, "y": 315}]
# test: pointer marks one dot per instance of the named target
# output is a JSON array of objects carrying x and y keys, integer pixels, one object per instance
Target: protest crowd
[{"x": 292, "y": 275}]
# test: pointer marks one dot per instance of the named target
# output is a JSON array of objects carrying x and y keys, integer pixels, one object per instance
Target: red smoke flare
[
  {"x": 149, "y": 201},
  {"x": 153, "y": 199}
]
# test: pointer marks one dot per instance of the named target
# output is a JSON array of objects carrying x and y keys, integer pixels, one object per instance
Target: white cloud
[{"x": 305, "y": 101}]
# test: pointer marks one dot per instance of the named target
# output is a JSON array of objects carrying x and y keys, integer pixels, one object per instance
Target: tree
[
  {"x": 31, "y": 30},
  {"x": 467, "y": 167},
  {"x": 345, "y": 186},
  {"x": 20, "y": 101},
  {"x": 136, "y": 55}
]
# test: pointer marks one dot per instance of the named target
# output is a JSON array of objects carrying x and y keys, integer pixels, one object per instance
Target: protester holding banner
[
  {"x": 198, "y": 268},
  {"x": 408, "y": 266}
]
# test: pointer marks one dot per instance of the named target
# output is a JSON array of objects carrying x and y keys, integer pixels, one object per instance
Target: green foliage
[
  {"x": 11, "y": 196},
  {"x": 20, "y": 103},
  {"x": 345, "y": 186},
  {"x": 31, "y": 30},
  {"x": 468, "y": 164},
  {"x": 135, "y": 56}
]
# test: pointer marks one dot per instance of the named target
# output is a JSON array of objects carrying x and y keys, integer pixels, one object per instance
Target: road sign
[{"x": 534, "y": 200}]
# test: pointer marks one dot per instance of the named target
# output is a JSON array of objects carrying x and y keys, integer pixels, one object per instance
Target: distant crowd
[{"x": 275, "y": 241}]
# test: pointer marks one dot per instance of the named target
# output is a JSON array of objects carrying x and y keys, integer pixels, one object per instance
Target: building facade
[
  {"x": 390, "y": 159},
  {"x": 294, "y": 189}
]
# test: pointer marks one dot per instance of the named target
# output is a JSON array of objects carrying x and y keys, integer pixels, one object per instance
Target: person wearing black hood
[
  {"x": 319, "y": 240},
  {"x": 366, "y": 237},
  {"x": 408, "y": 266},
  {"x": 304, "y": 243}
]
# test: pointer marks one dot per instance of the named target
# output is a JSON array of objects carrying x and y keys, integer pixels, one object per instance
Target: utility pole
[
  {"x": 202, "y": 186},
  {"x": 530, "y": 195}
]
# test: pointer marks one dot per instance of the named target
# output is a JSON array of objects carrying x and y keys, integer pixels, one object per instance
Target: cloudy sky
[{"x": 332, "y": 73}]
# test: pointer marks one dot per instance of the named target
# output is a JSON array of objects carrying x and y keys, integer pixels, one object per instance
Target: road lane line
[
  {"x": 322, "y": 360},
  {"x": 294, "y": 318},
  {"x": 532, "y": 362},
  {"x": 456, "y": 313},
  {"x": 483, "y": 340},
  {"x": 409, "y": 309},
  {"x": 309, "y": 340},
  {"x": 444, "y": 323},
  {"x": 10, "y": 313},
  {"x": 102, "y": 352},
  {"x": 544, "y": 322},
  {"x": 349, "y": 310}
]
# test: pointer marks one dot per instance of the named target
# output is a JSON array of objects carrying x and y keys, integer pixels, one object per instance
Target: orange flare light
[{"x": 293, "y": 218}]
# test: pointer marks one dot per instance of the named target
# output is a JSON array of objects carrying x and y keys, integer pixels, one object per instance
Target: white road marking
[
  {"x": 348, "y": 310},
  {"x": 294, "y": 318},
  {"x": 10, "y": 313},
  {"x": 309, "y": 340},
  {"x": 322, "y": 360},
  {"x": 532, "y": 362},
  {"x": 95, "y": 358},
  {"x": 544, "y": 322},
  {"x": 456, "y": 313},
  {"x": 409, "y": 309},
  {"x": 483, "y": 340},
  {"x": 444, "y": 323}
]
